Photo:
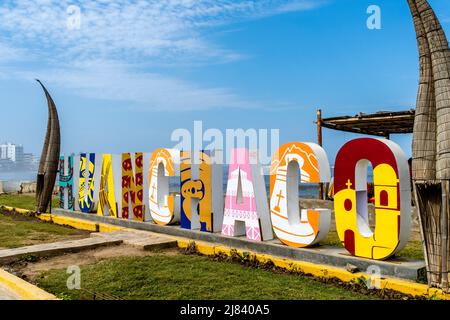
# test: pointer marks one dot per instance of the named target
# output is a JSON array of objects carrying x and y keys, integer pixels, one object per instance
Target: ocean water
[
  {"x": 12, "y": 180},
  {"x": 306, "y": 191},
  {"x": 18, "y": 176}
]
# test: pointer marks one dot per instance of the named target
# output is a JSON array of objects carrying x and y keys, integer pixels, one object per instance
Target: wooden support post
[
  {"x": 444, "y": 236},
  {"x": 320, "y": 143},
  {"x": 319, "y": 127},
  {"x": 422, "y": 231}
]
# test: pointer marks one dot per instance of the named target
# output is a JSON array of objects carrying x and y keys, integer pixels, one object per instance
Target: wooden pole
[
  {"x": 320, "y": 143},
  {"x": 422, "y": 233},
  {"x": 444, "y": 230},
  {"x": 319, "y": 127}
]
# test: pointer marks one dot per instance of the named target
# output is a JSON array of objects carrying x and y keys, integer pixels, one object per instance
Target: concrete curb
[
  {"x": 23, "y": 289},
  {"x": 56, "y": 248},
  {"x": 80, "y": 224}
]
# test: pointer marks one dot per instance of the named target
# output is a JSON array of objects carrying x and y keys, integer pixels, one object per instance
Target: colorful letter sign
[
  {"x": 392, "y": 198},
  {"x": 294, "y": 227},
  {"x": 246, "y": 209},
  {"x": 132, "y": 186},
  {"x": 116, "y": 186},
  {"x": 107, "y": 198},
  {"x": 86, "y": 183},
  {"x": 66, "y": 198},
  {"x": 201, "y": 192},
  {"x": 164, "y": 208}
]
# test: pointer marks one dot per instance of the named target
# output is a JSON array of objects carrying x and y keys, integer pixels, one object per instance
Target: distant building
[
  {"x": 29, "y": 158},
  {"x": 12, "y": 152},
  {"x": 12, "y": 158}
]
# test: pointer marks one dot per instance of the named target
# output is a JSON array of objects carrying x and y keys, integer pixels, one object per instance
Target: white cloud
[
  {"x": 156, "y": 28},
  {"x": 8, "y": 53},
  {"x": 99, "y": 59},
  {"x": 111, "y": 80}
]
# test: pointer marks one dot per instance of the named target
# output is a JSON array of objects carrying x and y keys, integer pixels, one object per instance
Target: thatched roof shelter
[{"x": 381, "y": 124}]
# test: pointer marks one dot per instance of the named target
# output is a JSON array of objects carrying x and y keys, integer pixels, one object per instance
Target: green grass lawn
[
  {"x": 18, "y": 230},
  {"x": 172, "y": 277},
  {"x": 22, "y": 201}
]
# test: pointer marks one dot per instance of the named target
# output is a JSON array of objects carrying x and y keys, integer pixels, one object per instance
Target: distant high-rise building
[
  {"x": 12, "y": 157},
  {"x": 29, "y": 158},
  {"x": 12, "y": 152}
]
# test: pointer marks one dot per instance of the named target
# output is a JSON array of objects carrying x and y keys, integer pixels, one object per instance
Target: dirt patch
[
  {"x": 31, "y": 269},
  {"x": 29, "y": 216}
]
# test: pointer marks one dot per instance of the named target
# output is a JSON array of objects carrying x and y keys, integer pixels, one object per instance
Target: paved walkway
[
  {"x": 6, "y": 294},
  {"x": 141, "y": 239},
  {"x": 55, "y": 248}
]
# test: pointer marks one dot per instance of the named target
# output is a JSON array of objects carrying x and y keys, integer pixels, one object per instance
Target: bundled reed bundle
[
  {"x": 431, "y": 142},
  {"x": 48, "y": 165}
]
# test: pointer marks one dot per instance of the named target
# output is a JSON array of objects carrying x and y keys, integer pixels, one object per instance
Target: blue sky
[{"x": 137, "y": 70}]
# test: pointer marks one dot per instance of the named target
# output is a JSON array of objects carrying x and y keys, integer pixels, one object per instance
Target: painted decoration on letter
[
  {"x": 392, "y": 198},
  {"x": 246, "y": 208},
  {"x": 201, "y": 192},
  {"x": 66, "y": 198},
  {"x": 107, "y": 199},
  {"x": 164, "y": 208},
  {"x": 86, "y": 183},
  {"x": 295, "y": 227},
  {"x": 132, "y": 186}
]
